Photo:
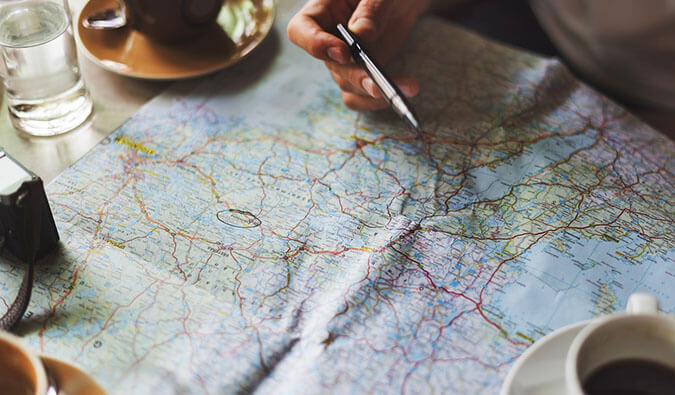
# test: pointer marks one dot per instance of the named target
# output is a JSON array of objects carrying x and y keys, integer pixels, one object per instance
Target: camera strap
[{"x": 28, "y": 206}]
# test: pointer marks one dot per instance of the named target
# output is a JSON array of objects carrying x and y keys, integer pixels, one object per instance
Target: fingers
[
  {"x": 353, "y": 78},
  {"x": 310, "y": 26},
  {"x": 359, "y": 92},
  {"x": 349, "y": 77},
  {"x": 362, "y": 103},
  {"x": 305, "y": 31},
  {"x": 369, "y": 18},
  {"x": 372, "y": 21}
]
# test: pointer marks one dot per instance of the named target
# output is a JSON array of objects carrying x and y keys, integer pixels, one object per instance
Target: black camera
[{"x": 27, "y": 228}]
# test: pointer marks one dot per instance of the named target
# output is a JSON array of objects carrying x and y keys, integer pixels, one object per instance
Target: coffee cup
[
  {"x": 168, "y": 21},
  {"x": 21, "y": 371},
  {"x": 633, "y": 351}
]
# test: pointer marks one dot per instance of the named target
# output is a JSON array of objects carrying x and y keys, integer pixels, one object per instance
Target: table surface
[{"x": 117, "y": 97}]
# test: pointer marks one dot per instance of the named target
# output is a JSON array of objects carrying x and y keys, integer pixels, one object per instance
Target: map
[{"x": 249, "y": 233}]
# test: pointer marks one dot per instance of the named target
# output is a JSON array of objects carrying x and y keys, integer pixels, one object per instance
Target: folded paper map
[{"x": 249, "y": 233}]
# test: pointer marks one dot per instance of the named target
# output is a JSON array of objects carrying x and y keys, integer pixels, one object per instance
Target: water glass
[{"x": 45, "y": 91}]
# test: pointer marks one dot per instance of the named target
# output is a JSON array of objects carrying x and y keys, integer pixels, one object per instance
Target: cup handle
[
  {"x": 108, "y": 19},
  {"x": 642, "y": 303}
]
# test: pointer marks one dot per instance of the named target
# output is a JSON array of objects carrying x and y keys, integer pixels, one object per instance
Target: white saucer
[{"x": 541, "y": 368}]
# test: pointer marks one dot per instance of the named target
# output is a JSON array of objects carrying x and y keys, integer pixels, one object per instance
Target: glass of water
[{"x": 46, "y": 95}]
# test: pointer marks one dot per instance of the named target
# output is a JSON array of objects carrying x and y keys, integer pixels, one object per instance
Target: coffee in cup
[
  {"x": 172, "y": 20},
  {"x": 167, "y": 21},
  {"x": 626, "y": 354},
  {"x": 21, "y": 371},
  {"x": 631, "y": 376}
]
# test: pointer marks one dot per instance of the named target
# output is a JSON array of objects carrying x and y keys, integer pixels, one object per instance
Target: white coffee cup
[
  {"x": 640, "y": 333},
  {"x": 21, "y": 371}
]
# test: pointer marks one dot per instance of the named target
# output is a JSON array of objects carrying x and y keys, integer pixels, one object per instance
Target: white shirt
[{"x": 624, "y": 46}]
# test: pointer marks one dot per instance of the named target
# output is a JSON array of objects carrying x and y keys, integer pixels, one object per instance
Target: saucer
[
  {"x": 541, "y": 368},
  {"x": 241, "y": 26},
  {"x": 71, "y": 380}
]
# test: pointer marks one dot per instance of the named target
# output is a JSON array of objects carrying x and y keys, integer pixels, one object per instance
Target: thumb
[{"x": 369, "y": 18}]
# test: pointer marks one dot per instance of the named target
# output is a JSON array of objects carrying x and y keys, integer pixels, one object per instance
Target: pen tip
[{"x": 412, "y": 121}]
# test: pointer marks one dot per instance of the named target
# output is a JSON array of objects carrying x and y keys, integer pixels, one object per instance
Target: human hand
[{"x": 382, "y": 25}]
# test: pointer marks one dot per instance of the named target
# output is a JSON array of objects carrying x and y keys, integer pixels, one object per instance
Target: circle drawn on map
[{"x": 238, "y": 218}]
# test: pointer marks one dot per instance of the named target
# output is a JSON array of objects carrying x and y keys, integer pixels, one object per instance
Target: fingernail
[
  {"x": 370, "y": 88},
  {"x": 408, "y": 90},
  {"x": 363, "y": 26},
  {"x": 337, "y": 55}
]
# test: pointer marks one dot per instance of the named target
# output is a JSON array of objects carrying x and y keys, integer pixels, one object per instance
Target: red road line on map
[
  {"x": 59, "y": 301},
  {"x": 442, "y": 328},
  {"x": 408, "y": 374},
  {"x": 112, "y": 314},
  {"x": 359, "y": 148},
  {"x": 262, "y": 184},
  {"x": 199, "y": 273},
  {"x": 477, "y": 304},
  {"x": 150, "y": 349},
  {"x": 239, "y": 283},
  {"x": 176, "y": 261}
]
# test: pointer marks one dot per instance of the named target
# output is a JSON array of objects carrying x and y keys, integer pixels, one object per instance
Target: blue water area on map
[
  {"x": 554, "y": 288},
  {"x": 568, "y": 281},
  {"x": 492, "y": 184}
]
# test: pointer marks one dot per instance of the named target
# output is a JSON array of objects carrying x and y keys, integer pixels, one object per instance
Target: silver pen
[{"x": 389, "y": 90}]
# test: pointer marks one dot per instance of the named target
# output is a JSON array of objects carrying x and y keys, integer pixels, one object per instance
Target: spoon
[
  {"x": 52, "y": 386},
  {"x": 108, "y": 19}
]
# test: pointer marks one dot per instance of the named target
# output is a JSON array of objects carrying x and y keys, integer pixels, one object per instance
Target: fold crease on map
[{"x": 264, "y": 238}]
